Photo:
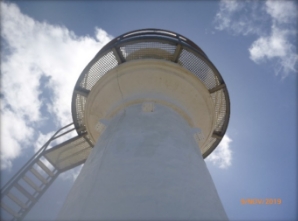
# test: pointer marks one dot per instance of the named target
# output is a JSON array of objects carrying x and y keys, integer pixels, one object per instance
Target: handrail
[{"x": 5, "y": 188}]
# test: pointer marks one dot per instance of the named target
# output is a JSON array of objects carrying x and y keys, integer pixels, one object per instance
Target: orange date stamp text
[{"x": 259, "y": 201}]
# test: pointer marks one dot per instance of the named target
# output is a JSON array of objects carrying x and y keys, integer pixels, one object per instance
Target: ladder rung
[
  {"x": 31, "y": 183},
  {"x": 9, "y": 210},
  {"x": 38, "y": 175},
  {"x": 45, "y": 168},
  {"x": 17, "y": 201},
  {"x": 23, "y": 191}
]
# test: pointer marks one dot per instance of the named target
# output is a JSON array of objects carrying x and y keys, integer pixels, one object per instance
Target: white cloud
[
  {"x": 32, "y": 50},
  {"x": 222, "y": 155},
  {"x": 237, "y": 18},
  {"x": 272, "y": 22},
  {"x": 14, "y": 132},
  {"x": 276, "y": 45},
  {"x": 281, "y": 11}
]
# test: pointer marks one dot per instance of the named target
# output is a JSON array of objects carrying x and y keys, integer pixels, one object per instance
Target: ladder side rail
[
  {"x": 21, "y": 171},
  {"x": 60, "y": 135},
  {"x": 30, "y": 197},
  {"x": 21, "y": 174},
  {"x": 29, "y": 163},
  {"x": 42, "y": 189},
  {"x": 24, "y": 213},
  {"x": 39, "y": 190},
  {"x": 13, "y": 213}
]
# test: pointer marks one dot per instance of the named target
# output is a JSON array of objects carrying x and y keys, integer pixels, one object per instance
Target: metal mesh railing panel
[
  {"x": 221, "y": 111},
  {"x": 144, "y": 50},
  {"x": 198, "y": 67},
  {"x": 99, "y": 68},
  {"x": 80, "y": 107},
  {"x": 220, "y": 108},
  {"x": 208, "y": 144}
]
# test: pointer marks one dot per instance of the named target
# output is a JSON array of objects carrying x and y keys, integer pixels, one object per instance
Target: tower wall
[{"x": 146, "y": 165}]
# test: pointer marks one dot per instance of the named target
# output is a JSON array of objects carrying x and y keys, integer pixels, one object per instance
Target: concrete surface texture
[{"x": 146, "y": 165}]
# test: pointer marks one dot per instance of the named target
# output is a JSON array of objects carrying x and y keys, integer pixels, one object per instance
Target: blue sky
[{"x": 46, "y": 44}]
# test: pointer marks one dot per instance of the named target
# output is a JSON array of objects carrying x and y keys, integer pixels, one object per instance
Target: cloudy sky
[{"x": 46, "y": 44}]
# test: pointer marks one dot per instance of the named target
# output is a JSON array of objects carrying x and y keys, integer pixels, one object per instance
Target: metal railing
[{"x": 11, "y": 202}]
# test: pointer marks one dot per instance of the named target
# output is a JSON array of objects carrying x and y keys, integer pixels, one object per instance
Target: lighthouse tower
[{"x": 154, "y": 106}]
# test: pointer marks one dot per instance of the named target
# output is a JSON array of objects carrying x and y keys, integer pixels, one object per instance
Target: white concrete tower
[{"x": 154, "y": 106}]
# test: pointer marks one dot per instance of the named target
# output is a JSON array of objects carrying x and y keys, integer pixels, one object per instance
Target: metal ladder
[{"x": 24, "y": 189}]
